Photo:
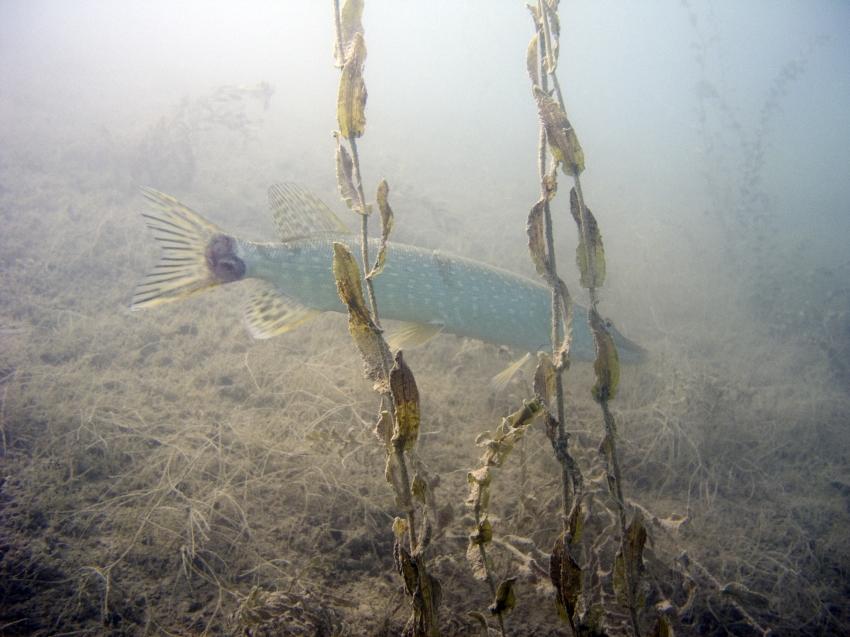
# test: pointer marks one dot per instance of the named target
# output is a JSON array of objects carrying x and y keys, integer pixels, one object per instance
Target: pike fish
[{"x": 428, "y": 291}]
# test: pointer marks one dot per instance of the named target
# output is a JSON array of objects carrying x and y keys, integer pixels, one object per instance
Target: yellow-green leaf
[
  {"x": 399, "y": 527},
  {"x": 560, "y": 134},
  {"x": 483, "y": 534},
  {"x": 590, "y": 255},
  {"x": 351, "y": 99},
  {"x": 386, "y": 227},
  {"x": 350, "y": 22},
  {"x": 406, "y": 398},
  {"x": 505, "y": 597},
  {"x": 607, "y": 363},
  {"x": 366, "y": 335}
]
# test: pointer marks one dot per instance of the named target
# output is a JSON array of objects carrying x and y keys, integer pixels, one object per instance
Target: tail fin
[{"x": 196, "y": 254}]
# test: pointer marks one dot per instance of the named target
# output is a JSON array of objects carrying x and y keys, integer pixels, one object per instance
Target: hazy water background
[
  {"x": 716, "y": 137},
  {"x": 450, "y": 116}
]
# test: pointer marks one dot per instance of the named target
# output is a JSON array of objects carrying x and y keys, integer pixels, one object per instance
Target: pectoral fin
[
  {"x": 501, "y": 380},
  {"x": 412, "y": 334},
  {"x": 269, "y": 313}
]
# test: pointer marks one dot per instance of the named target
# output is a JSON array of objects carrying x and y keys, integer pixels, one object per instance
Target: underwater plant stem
[
  {"x": 547, "y": 43},
  {"x": 404, "y": 496},
  {"x": 338, "y": 28},
  {"x": 358, "y": 184},
  {"x": 482, "y": 550},
  {"x": 561, "y": 443},
  {"x": 610, "y": 431},
  {"x": 364, "y": 230}
]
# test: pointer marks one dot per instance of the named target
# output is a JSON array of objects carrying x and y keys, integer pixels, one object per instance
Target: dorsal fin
[{"x": 299, "y": 213}]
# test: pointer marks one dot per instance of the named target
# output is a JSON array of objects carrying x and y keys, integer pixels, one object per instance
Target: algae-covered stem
[
  {"x": 364, "y": 229},
  {"x": 386, "y": 397},
  {"x": 570, "y": 478},
  {"x": 358, "y": 183},
  {"x": 608, "y": 417},
  {"x": 590, "y": 275},
  {"x": 488, "y": 573}
]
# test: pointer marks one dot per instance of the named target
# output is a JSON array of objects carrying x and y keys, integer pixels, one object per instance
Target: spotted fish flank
[{"x": 430, "y": 291}]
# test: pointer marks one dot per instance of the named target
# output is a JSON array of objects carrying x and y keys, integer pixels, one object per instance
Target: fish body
[
  {"x": 460, "y": 296},
  {"x": 429, "y": 290}
]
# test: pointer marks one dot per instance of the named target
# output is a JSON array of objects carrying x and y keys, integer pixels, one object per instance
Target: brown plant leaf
[
  {"x": 561, "y": 356},
  {"x": 560, "y": 134},
  {"x": 544, "y": 379},
  {"x": 406, "y": 398},
  {"x": 345, "y": 177},
  {"x": 565, "y": 575},
  {"x": 607, "y": 363},
  {"x": 366, "y": 335},
  {"x": 387, "y": 221},
  {"x": 479, "y": 488},
  {"x": 590, "y": 255},
  {"x": 628, "y": 564},
  {"x": 536, "y": 229},
  {"x": 544, "y": 387},
  {"x": 419, "y": 489},
  {"x": 351, "y": 98},
  {"x": 509, "y": 431},
  {"x": 476, "y": 559}
]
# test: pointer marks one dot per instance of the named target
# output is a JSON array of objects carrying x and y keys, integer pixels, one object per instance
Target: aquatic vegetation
[
  {"x": 398, "y": 419},
  {"x": 166, "y": 155},
  {"x": 161, "y": 473}
]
